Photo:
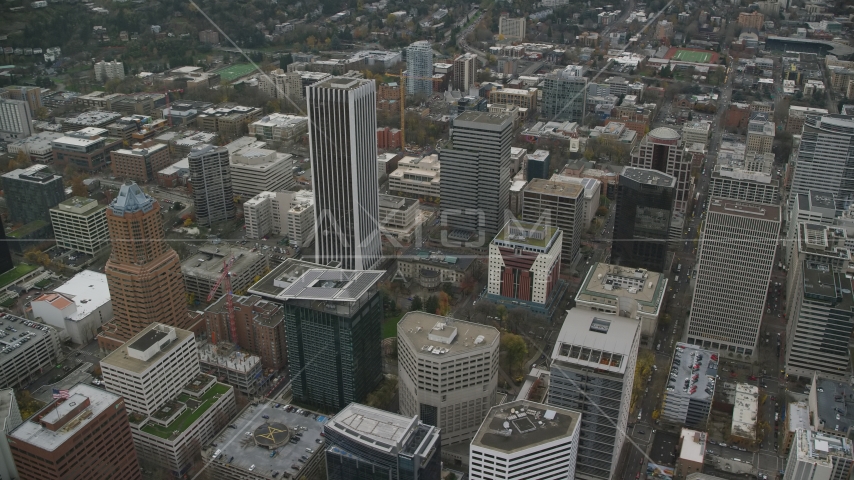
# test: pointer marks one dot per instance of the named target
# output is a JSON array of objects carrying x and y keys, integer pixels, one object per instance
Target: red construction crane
[
  {"x": 168, "y": 104},
  {"x": 229, "y": 305}
]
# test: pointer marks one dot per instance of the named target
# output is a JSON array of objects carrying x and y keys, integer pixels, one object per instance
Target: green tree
[
  {"x": 417, "y": 304},
  {"x": 432, "y": 304},
  {"x": 515, "y": 350}
]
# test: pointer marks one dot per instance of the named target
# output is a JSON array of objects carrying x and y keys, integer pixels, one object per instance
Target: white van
[{"x": 216, "y": 454}]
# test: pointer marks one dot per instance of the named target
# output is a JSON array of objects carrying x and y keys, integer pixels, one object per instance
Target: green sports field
[
  {"x": 234, "y": 72},
  {"x": 692, "y": 56}
]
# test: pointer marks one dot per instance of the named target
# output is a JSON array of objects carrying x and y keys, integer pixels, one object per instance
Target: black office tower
[
  {"x": 5, "y": 256},
  {"x": 333, "y": 324},
  {"x": 642, "y": 218}
]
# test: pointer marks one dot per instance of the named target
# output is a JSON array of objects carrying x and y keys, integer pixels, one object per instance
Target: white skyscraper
[
  {"x": 342, "y": 118},
  {"x": 733, "y": 271},
  {"x": 593, "y": 371},
  {"x": 16, "y": 119},
  {"x": 825, "y": 159},
  {"x": 419, "y": 68}
]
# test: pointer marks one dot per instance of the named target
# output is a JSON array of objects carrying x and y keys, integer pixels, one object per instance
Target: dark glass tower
[{"x": 642, "y": 218}]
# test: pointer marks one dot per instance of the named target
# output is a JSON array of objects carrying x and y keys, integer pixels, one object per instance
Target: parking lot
[{"x": 240, "y": 450}]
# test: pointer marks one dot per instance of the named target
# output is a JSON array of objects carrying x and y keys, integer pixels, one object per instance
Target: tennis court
[
  {"x": 692, "y": 56},
  {"x": 234, "y": 72}
]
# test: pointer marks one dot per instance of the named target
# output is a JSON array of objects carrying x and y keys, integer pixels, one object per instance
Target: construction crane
[
  {"x": 225, "y": 280},
  {"x": 403, "y": 103},
  {"x": 169, "y": 104}
]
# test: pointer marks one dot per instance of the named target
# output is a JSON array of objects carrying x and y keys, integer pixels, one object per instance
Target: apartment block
[
  {"x": 556, "y": 204},
  {"x": 260, "y": 326},
  {"x": 513, "y": 443},
  {"x": 565, "y": 94},
  {"x": 31, "y": 95},
  {"x": 511, "y": 29},
  {"x": 109, "y": 71},
  {"x": 419, "y": 68},
  {"x": 592, "y": 371},
  {"x": 453, "y": 388},
  {"x": 733, "y": 277},
  {"x": 284, "y": 213},
  {"x": 80, "y": 224},
  {"x": 240, "y": 369},
  {"x": 281, "y": 84},
  {"x": 16, "y": 119},
  {"x": 140, "y": 164},
  {"x": 84, "y": 436},
  {"x": 210, "y": 172},
  {"x": 465, "y": 71}
]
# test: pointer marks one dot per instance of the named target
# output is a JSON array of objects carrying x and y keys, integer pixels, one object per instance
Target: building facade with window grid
[
  {"x": 734, "y": 266},
  {"x": 592, "y": 372},
  {"x": 454, "y": 388}
]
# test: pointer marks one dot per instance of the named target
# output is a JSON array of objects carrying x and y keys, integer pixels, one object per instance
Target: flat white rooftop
[{"x": 89, "y": 291}]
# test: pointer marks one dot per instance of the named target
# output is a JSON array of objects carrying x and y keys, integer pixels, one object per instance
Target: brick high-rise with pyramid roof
[{"x": 143, "y": 273}]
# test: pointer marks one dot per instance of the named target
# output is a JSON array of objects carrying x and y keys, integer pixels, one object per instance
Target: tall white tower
[{"x": 342, "y": 126}]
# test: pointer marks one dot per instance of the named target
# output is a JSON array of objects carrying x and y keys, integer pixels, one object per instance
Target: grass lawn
[
  {"x": 390, "y": 326},
  {"x": 234, "y": 72},
  {"x": 189, "y": 416},
  {"x": 19, "y": 271}
]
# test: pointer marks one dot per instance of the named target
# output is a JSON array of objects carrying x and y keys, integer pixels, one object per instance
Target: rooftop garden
[
  {"x": 28, "y": 229},
  {"x": 189, "y": 416},
  {"x": 19, "y": 271},
  {"x": 199, "y": 383}
]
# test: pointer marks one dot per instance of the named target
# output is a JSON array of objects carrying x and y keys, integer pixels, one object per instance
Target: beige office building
[
  {"x": 80, "y": 224},
  {"x": 448, "y": 373}
]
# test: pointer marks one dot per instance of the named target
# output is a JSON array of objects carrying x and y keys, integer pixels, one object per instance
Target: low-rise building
[
  {"x": 416, "y": 177},
  {"x": 202, "y": 270},
  {"x": 524, "y": 439},
  {"x": 826, "y": 409},
  {"x": 744, "y": 411},
  {"x": 256, "y": 170},
  {"x": 524, "y": 267},
  {"x": 626, "y": 292},
  {"x": 86, "y": 149},
  {"x": 92, "y": 118},
  {"x": 77, "y": 308},
  {"x": 35, "y": 350},
  {"x": 797, "y": 418},
  {"x": 522, "y": 98},
  {"x": 398, "y": 216},
  {"x": 140, "y": 163},
  {"x": 278, "y": 127},
  {"x": 692, "y": 452},
  {"x": 80, "y": 224},
  {"x": 431, "y": 268},
  {"x": 696, "y": 132},
  {"x": 691, "y": 386},
  {"x": 38, "y": 147},
  {"x": 228, "y": 121}
]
